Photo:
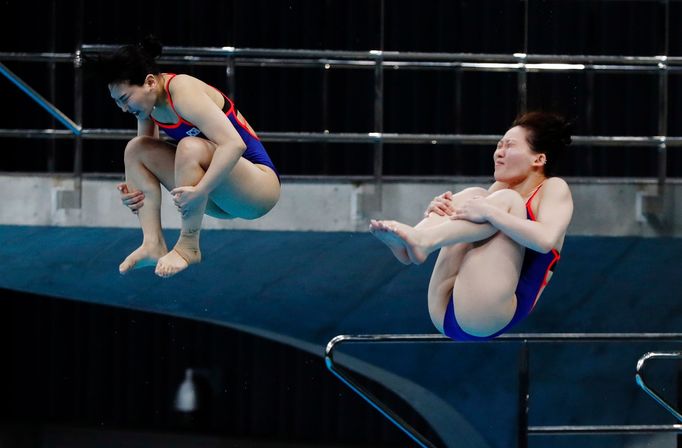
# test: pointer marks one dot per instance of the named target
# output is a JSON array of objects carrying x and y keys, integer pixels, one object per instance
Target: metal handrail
[
  {"x": 602, "y": 429},
  {"x": 197, "y": 53},
  {"x": 642, "y": 383},
  {"x": 525, "y": 339},
  {"x": 379, "y": 61},
  {"x": 620, "y": 141},
  {"x": 42, "y": 102},
  {"x": 392, "y": 59}
]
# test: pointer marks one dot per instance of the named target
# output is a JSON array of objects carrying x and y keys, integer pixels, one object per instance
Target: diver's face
[
  {"x": 137, "y": 100},
  {"x": 514, "y": 158}
]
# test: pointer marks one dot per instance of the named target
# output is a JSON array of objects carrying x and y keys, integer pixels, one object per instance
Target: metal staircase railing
[{"x": 525, "y": 339}]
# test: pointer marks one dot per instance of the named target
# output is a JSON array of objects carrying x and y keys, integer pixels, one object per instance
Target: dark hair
[
  {"x": 130, "y": 63},
  {"x": 549, "y": 134}
]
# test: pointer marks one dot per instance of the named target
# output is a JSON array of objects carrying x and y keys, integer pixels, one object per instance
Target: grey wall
[{"x": 602, "y": 208}]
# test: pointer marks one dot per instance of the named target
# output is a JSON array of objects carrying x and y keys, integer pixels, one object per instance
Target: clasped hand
[
  {"x": 188, "y": 199},
  {"x": 133, "y": 200},
  {"x": 474, "y": 209}
]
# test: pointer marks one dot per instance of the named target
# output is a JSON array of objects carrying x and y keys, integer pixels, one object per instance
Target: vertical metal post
[
  {"x": 230, "y": 74},
  {"x": 458, "y": 100},
  {"x": 679, "y": 399},
  {"x": 231, "y": 66},
  {"x": 524, "y": 396},
  {"x": 378, "y": 122},
  {"x": 662, "y": 166},
  {"x": 78, "y": 106},
  {"x": 522, "y": 87},
  {"x": 52, "y": 68},
  {"x": 663, "y": 100},
  {"x": 329, "y": 16},
  {"x": 522, "y": 82},
  {"x": 325, "y": 117},
  {"x": 589, "y": 113},
  {"x": 78, "y": 117},
  {"x": 379, "y": 114},
  {"x": 458, "y": 118},
  {"x": 525, "y": 26}
]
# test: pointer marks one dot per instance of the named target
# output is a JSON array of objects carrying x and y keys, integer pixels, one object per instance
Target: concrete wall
[{"x": 614, "y": 208}]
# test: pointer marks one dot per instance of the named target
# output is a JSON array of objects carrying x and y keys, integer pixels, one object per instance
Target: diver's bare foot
[
  {"x": 143, "y": 256},
  {"x": 417, "y": 251},
  {"x": 394, "y": 243},
  {"x": 177, "y": 260}
]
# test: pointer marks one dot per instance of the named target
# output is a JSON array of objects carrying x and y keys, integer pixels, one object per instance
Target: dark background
[
  {"x": 425, "y": 101},
  {"x": 70, "y": 366},
  {"x": 83, "y": 365}
]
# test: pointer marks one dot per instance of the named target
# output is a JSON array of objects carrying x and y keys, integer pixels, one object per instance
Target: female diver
[
  {"x": 498, "y": 247},
  {"x": 217, "y": 164}
]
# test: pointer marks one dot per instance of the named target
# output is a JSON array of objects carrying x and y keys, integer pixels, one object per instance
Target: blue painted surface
[{"x": 308, "y": 287}]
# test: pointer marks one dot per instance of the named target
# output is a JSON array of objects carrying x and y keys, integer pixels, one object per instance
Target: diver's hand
[{"x": 133, "y": 200}]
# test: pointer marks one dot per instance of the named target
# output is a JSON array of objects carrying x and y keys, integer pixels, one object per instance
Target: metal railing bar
[
  {"x": 38, "y": 98},
  {"x": 393, "y": 179},
  {"x": 511, "y": 337},
  {"x": 37, "y": 57},
  {"x": 524, "y": 338},
  {"x": 602, "y": 429},
  {"x": 370, "y": 137},
  {"x": 36, "y": 133},
  {"x": 377, "y": 404},
  {"x": 397, "y": 55},
  {"x": 416, "y": 65},
  {"x": 639, "y": 379},
  {"x": 318, "y": 178},
  {"x": 396, "y": 60},
  {"x": 523, "y": 396}
]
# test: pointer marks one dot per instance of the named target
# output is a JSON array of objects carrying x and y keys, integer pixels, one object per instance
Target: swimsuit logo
[{"x": 193, "y": 132}]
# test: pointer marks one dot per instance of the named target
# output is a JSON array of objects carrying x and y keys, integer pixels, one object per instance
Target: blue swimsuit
[
  {"x": 255, "y": 152},
  {"x": 534, "y": 270}
]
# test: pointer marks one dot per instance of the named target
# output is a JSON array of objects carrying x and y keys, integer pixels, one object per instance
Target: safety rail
[
  {"x": 642, "y": 383},
  {"x": 265, "y": 57},
  {"x": 524, "y": 430},
  {"x": 356, "y": 137},
  {"x": 38, "y": 98},
  {"x": 379, "y": 61}
]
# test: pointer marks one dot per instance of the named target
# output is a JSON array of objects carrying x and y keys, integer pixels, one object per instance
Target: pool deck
[{"x": 303, "y": 288}]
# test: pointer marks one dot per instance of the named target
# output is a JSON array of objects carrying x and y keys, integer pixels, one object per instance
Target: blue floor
[{"x": 303, "y": 288}]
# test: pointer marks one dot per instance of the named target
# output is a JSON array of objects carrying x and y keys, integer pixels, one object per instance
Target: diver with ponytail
[
  {"x": 497, "y": 247},
  {"x": 215, "y": 165}
]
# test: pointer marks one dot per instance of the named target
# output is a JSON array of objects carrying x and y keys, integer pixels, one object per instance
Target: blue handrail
[
  {"x": 524, "y": 338},
  {"x": 38, "y": 98}
]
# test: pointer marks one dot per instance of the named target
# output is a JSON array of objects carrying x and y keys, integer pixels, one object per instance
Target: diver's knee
[
  {"x": 136, "y": 147},
  {"x": 470, "y": 192},
  {"x": 508, "y": 199},
  {"x": 192, "y": 150}
]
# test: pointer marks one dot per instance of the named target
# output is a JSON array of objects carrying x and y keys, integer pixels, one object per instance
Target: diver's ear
[
  {"x": 150, "y": 81},
  {"x": 540, "y": 160}
]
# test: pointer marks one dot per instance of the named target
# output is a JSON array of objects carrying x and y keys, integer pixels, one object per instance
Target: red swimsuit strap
[
  {"x": 171, "y": 76},
  {"x": 170, "y": 101},
  {"x": 532, "y": 217},
  {"x": 530, "y": 199}
]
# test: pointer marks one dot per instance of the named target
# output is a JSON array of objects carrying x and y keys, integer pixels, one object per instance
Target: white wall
[{"x": 601, "y": 208}]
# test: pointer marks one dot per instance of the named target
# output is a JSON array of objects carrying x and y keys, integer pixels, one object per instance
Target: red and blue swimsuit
[
  {"x": 255, "y": 152},
  {"x": 534, "y": 271}
]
